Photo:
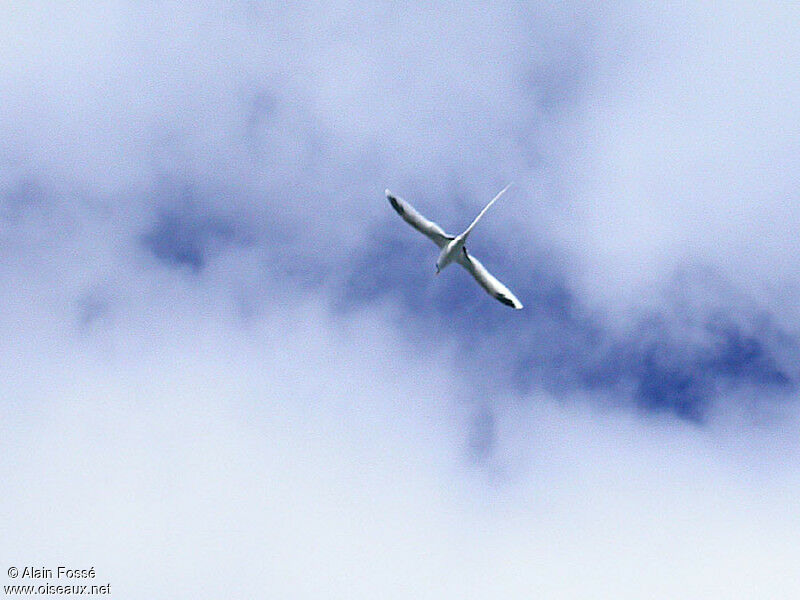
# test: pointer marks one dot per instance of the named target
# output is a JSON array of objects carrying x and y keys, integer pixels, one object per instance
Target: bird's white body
[
  {"x": 453, "y": 248},
  {"x": 449, "y": 253}
]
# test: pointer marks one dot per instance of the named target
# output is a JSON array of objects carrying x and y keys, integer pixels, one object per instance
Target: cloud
[
  {"x": 203, "y": 132},
  {"x": 685, "y": 141},
  {"x": 232, "y": 367},
  {"x": 198, "y": 456}
]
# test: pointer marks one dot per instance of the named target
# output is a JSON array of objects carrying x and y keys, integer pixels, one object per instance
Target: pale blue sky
[{"x": 230, "y": 365}]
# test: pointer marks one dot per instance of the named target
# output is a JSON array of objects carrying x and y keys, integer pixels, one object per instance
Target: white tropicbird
[{"x": 453, "y": 248}]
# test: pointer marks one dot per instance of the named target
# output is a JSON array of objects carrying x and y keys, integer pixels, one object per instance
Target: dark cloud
[
  {"x": 680, "y": 360},
  {"x": 183, "y": 240},
  {"x": 21, "y": 195},
  {"x": 186, "y": 233},
  {"x": 482, "y": 436}
]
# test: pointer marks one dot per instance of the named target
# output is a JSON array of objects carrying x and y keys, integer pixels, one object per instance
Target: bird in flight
[{"x": 453, "y": 247}]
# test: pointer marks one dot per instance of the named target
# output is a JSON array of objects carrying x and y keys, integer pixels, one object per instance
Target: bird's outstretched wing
[
  {"x": 488, "y": 281},
  {"x": 418, "y": 222}
]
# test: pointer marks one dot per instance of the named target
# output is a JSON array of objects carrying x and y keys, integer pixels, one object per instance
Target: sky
[{"x": 229, "y": 367}]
